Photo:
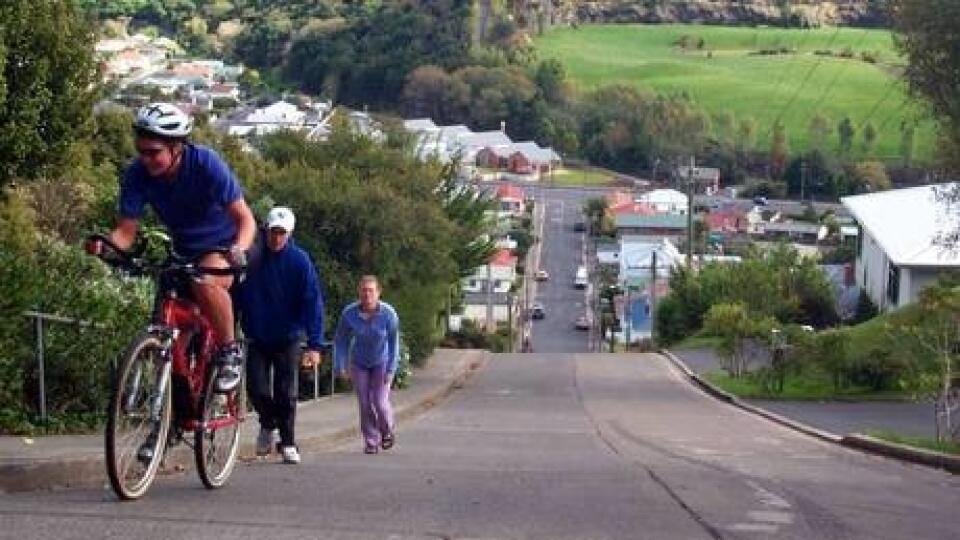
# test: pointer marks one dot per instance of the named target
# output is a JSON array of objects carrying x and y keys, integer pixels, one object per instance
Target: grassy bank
[{"x": 726, "y": 74}]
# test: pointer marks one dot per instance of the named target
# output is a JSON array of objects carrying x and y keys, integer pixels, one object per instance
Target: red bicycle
[{"x": 166, "y": 380}]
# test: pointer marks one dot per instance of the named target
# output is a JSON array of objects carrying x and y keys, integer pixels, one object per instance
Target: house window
[{"x": 893, "y": 284}]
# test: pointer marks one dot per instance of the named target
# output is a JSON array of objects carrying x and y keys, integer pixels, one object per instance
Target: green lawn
[
  {"x": 578, "y": 177},
  {"x": 724, "y": 76},
  {"x": 805, "y": 387},
  {"x": 947, "y": 447}
]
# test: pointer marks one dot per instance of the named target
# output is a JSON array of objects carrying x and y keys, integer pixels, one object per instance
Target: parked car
[
  {"x": 537, "y": 311},
  {"x": 583, "y": 323},
  {"x": 581, "y": 278},
  {"x": 760, "y": 201},
  {"x": 579, "y": 226},
  {"x": 541, "y": 275}
]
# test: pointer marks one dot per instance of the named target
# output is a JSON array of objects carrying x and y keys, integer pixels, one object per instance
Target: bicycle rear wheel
[
  {"x": 138, "y": 418},
  {"x": 217, "y": 438}
]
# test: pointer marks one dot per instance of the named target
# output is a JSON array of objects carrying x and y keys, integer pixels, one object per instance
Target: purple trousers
[{"x": 373, "y": 395}]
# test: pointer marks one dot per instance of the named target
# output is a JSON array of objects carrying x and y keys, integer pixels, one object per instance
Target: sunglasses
[{"x": 150, "y": 152}]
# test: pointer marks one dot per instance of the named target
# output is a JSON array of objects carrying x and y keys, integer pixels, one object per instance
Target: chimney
[{"x": 503, "y": 126}]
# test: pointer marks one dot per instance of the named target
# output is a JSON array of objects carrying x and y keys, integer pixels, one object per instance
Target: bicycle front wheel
[
  {"x": 217, "y": 438},
  {"x": 138, "y": 418}
]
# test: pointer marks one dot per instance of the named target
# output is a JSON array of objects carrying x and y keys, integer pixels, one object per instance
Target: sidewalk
[
  {"x": 840, "y": 422},
  {"x": 77, "y": 460}
]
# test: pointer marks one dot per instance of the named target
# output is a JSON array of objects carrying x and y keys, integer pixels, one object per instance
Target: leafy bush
[{"x": 61, "y": 279}]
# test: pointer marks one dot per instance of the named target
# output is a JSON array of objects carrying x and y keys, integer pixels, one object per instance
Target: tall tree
[
  {"x": 846, "y": 132},
  {"x": 869, "y": 137},
  {"x": 778, "y": 150},
  {"x": 47, "y": 87},
  {"x": 819, "y": 131},
  {"x": 907, "y": 132},
  {"x": 928, "y": 34}
]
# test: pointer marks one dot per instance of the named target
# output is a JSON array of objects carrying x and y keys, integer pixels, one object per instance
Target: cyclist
[{"x": 196, "y": 196}]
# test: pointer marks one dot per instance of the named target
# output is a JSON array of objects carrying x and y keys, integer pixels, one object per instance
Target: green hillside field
[{"x": 726, "y": 75}]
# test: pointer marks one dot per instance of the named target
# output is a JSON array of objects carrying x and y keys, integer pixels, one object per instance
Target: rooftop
[{"x": 884, "y": 215}]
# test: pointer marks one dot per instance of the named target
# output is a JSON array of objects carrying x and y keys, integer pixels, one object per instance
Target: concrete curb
[
  {"x": 851, "y": 440},
  {"x": 90, "y": 471},
  {"x": 929, "y": 458}
]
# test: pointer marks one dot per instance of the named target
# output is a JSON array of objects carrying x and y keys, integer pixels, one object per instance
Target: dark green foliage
[
  {"x": 368, "y": 60},
  {"x": 866, "y": 309},
  {"x": 78, "y": 359},
  {"x": 47, "y": 76},
  {"x": 777, "y": 284},
  {"x": 929, "y": 37}
]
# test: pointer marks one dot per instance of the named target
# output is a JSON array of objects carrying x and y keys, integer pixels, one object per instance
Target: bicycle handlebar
[{"x": 136, "y": 264}]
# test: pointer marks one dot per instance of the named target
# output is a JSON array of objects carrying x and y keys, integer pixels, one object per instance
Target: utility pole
[
  {"x": 653, "y": 294},
  {"x": 491, "y": 324},
  {"x": 803, "y": 178},
  {"x": 628, "y": 317},
  {"x": 690, "y": 212},
  {"x": 510, "y": 322}
]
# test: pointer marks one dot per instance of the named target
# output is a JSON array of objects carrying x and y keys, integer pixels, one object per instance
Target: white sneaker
[
  {"x": 265, "y": 441},
  {"x": 290, "y": 455}
]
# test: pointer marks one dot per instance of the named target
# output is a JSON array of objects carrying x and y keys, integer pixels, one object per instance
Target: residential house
[
  {"x": 511, "y": 199},
  {"x": 842, "y": 278},
  {"x": 801, "y": 232},
  {"x": 489, "y": 287},
  {"x": 671, "y": 226},
  {"x": 645, "y": 266},
  {"x": 622, "y": 202},
  {"x": 727, "y": 221},
  {"x": 898, "y": 252},
  {"x": 261, "y": 121},
  {"x": 224, "y": 91},
  {"x": 668, "y": 201},
  {"x": 706, "y": 179}
]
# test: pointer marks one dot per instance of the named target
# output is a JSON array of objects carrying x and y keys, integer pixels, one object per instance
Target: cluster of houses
[
  {"x": 483, "y": 155},
  {"x": 893, "y": 262},
  {"x": 140, "y": 65},
  {"x": 490, "y": 292}
]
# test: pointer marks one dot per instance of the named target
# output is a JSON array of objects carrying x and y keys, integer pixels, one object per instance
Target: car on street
[
  {"x": 581, "y": 278},
  {"x": 760, "y": 201},
  {"x": 541, "y": 275},
  {"x": 579, "y": 226},
  {"x": 537, "y": 311},
  {"x": 582, "y": 323}
]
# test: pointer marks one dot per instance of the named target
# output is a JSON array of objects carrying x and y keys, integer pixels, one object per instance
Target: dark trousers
[{"x": 277, "y": 409}]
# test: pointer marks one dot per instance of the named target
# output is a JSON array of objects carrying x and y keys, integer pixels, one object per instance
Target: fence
[{"x": 39, "y": 322}]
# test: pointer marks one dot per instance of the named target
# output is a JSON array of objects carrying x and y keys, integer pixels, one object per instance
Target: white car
[{"x": 541, "y": 275}]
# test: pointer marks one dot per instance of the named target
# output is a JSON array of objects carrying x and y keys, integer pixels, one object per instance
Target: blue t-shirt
[{"x": 193, "y": 206}]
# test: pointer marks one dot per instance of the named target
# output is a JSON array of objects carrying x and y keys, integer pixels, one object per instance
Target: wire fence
[{"x": 54, "y": 387}]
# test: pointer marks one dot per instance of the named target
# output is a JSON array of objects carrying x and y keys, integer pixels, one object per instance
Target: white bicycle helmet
[{"x": 163, "y": 119}]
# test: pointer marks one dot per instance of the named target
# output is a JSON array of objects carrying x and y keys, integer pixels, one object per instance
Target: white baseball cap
[{"x": 282, "y": 217}]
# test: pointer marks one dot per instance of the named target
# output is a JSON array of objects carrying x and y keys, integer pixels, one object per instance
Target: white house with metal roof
[
  {"x": 665, "y": 200},
  {"x": 897, "y": 250}
]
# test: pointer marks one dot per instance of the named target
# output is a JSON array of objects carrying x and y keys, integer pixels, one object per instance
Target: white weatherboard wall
[{"x": 899, "y": 230}]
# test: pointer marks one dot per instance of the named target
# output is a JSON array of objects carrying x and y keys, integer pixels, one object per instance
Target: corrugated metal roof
[
  {"x": 665, "y": 221},
  {"x": 906, "y": 223}
]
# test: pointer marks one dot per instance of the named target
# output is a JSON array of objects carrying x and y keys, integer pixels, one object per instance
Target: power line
[
  {"x": 803, "y": 40},
  {"x": 840, "y": 71},
  {"x": 803, "y": 83}
]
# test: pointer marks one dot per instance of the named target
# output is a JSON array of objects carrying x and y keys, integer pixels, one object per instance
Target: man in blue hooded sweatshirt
[{"x": 280, "y": 303}]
